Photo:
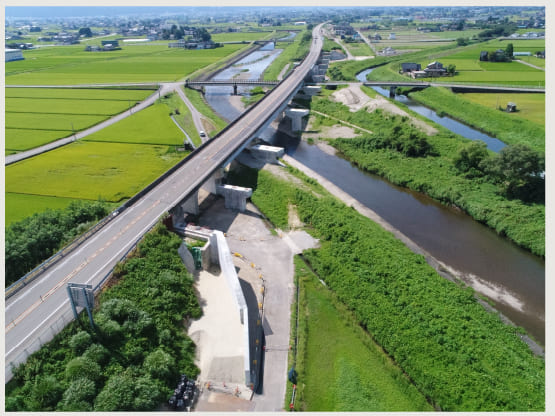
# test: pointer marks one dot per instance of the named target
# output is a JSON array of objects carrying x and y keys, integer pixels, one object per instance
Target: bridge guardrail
[{"x": 33, "y": 274}]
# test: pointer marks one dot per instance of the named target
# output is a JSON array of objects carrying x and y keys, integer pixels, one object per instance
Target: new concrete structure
[
  {"x": 296, "y": 115},
  {"x": 14, "y": 55}
]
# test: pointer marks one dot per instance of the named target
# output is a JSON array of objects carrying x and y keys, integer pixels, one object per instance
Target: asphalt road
[{"x": 34, "y": 309}]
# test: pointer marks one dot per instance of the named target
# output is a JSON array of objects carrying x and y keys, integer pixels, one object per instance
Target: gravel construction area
[
  {"x": 354, "y": 98},
  {"x": 264, "y": 263}
]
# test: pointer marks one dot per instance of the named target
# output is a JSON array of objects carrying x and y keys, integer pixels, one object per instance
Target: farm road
[{"x": 165, "y": 88}]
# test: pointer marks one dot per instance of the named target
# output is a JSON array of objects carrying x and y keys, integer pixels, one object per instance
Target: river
[{"x": 512, "y": 277}]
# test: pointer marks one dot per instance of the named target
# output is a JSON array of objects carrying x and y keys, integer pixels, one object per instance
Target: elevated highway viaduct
[{"x": 34, "y": 314}]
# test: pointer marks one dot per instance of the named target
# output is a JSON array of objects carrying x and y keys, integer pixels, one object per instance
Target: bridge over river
[{"x": 39, "y": 309}]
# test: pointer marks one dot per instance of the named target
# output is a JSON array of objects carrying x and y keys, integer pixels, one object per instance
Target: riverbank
[
  {"x": 435, "y": 174},
  {"x": 431, "y": 327}
]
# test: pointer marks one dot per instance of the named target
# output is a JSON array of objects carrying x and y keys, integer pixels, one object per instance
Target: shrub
[{"x": 80, "y": 342}]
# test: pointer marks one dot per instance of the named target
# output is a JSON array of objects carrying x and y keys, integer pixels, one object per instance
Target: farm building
[
  {"x": 392, "y": 36},
  {"x": 410, "y": 66},
  {"x": 483, "y": 55},
  {"x": 435, "y": 69},
  {"x": 14, "y": 55},
  {"x": 511, "y": 108},
  {"x": 522, "y": 53}
]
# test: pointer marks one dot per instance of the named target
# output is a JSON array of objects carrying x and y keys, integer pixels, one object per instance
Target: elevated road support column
[{"x": 296, "y": 115}]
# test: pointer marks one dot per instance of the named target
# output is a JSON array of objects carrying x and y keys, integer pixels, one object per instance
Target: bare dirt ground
[
  {"x": 355, "y": 99},
  {"x": 331, "y": 132}
]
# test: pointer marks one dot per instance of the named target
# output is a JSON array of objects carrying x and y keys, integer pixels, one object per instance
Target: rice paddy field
[
  {"x": 37, "y": 116},
  {"x": 113, "y": 165},
  {"x": 149, "y": 126},
  {"x": 242, "y": 36},
  {"x": 530, "y": 107},
  {"x": 90, "y": 170},
  {"x": 359, "y": 49},
  {"x": 72, "y": 65}
]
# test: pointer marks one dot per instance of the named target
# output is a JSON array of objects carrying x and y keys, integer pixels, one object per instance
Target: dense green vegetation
[
  {"x": 34, "y": 239},
  {"x": 292, "y": 52},
  {"x": 458, "y": 355},
  {"x": 19, "y": 206},
  {"x": 132, "y": 359},
  {"x": 502, "y": 125},
  {"x": 72, "y": 65},
  {"x": 483, "y": 198},
  {"x": 340, "y": 380}
]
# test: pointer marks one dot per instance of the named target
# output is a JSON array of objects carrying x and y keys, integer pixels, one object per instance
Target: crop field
[
  {"x": 17, "y": 140},
  {"x": 240, "y": 36},
  {"x": 44, "y": 121},
  {"x": 19, "y": 206},
  {"x": 79, "y": 93},
  {"x": 140, "y": 63},
  {"x": 152, "y": 125},
  {"x": 66, "y": 106},
  {"x": 87, "y": 170},
  {"x": 359, "y": 49},
  {"x": 530, "y": 107},
  {"x": 36, "y": 116}
]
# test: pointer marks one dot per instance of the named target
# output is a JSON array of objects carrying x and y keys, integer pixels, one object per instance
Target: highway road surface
[{"x": 35, "y": 308}]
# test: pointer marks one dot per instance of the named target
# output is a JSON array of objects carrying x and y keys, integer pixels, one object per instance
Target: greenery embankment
[
  {"x": 406, "y": 157},
  {"x": 132, "y": 360},
  {"x": 34, "y": 239},
  {"x": 339, "y": 380},
  {"x": 499, "y": 124},
  {"x": 197, "y": 99},
  {"x": 182, "y": 115},
  {"x": 293, "y": 52},
  {"x": 458, "y": 355}
]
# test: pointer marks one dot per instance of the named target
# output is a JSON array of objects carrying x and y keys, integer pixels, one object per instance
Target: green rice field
[
  {"x": 37, "y": 116},
  {"x": 90, "y": 170},
  {"x": 240, "y": 36},
  {"x": 72, "y": 65},
  {"x": 359, "y": 49},
  {"x": 20, "y": 206},
  {"x": 152, "y": 125},
  {"x": 530, "y": 107}
]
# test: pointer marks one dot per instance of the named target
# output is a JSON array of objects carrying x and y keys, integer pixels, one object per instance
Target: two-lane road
[{"x": 35, "y": 308}]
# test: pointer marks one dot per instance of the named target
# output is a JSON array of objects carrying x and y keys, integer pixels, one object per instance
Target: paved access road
[{"x": 33, "y": 310}]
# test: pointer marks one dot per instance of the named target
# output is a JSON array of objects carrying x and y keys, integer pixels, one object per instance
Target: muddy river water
[{"x": 512, "y": 277}]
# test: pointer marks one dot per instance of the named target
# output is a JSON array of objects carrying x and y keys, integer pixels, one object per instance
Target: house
[
  {"x": 114, "y": 43},
  {"x": 483, "y": 55},
  {"x": 344, "y": 30},
  {"x": 387, "y": 51},
  {"x": 392, "y": 36},
  {"x": 435, "y": 69},
  {"x": 540, "y": 54},
  {"x": 410, "y": 66},
  {"x": 376, "y": 36}
]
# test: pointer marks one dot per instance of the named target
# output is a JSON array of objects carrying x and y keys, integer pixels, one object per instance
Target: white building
[{"x": 14, "y": 55}]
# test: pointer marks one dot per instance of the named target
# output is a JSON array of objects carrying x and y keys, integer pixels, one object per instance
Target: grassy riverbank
[
  {"x": 507, "y": 127},
  {"x": 458, "y": 355},
  {"x": 340, "y": 380},
  {"x": 435, "y": 174},
  {"x": 294, "y": 51}
]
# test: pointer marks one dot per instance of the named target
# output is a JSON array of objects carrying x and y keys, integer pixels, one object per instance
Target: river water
[{"x": 512, "y": 277}]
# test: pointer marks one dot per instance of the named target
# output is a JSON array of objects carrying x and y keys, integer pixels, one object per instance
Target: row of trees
[
  {"x": 36, "y": 238},
  {"x": 179, "y": 33}
]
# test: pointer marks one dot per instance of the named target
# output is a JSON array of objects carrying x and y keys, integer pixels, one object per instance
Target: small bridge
[{"x": 231, "y": 82}]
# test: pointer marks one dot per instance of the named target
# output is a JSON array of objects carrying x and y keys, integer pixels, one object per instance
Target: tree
[
  {"x": 509, "y": 51},
  {"x": 45, "y": 393},
  {"x": 80, "y": 342},
  {"x": 451, "y": 69},
  {"x": 85, "y": 31},
  {"x": 82, "y": 367},
  {"x": 519, "y": 170},
  {"x": 462, "y": 41},
  {"x": 470, "y": 157},
  {"x": 159, "y": 364},
  {"x": 79, "y": 396}
]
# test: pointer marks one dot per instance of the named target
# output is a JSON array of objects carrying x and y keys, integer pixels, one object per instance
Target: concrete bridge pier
[
  {"x": 296, "y": 115},
  {"x": 189, "y": 206},
  {"x": 392, "y": 91},
  {"x": 211, "y": 185},
  {"x": 312, "y": 90},
  {"x": 268, "y": 154},
  {"x": 235, "y": 196},
  {"x": 234, "y": 89}
]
